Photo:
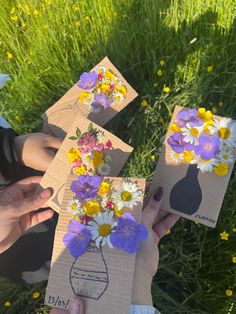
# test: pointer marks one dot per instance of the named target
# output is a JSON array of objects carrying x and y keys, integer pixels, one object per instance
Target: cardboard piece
[
  {"x": 62, "y": 114},
  {"x": 208, "y": 189},
  {"x": 105, "y": 278},
  {"x": 59, "y": 169}
]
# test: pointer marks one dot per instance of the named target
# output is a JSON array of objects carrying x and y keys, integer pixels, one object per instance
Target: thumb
[
  {"x": 75, "y": 307},
  {"x": 54, "y": 142},
  {"x": 152, "y": 208},
  {"x": 32, "y": 203}
]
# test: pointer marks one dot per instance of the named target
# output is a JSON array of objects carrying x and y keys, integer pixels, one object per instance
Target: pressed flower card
[
  {"x": 98, "y": 234},
  {"x": 195, "y": 164},
  {"x": 99, "y": 95},
  {"x": 86, "y": 149}
]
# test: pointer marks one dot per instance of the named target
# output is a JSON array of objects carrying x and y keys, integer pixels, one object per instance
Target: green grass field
[{"x": 46, "y": 45}]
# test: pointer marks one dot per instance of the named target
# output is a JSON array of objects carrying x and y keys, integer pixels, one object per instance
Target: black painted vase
[
  {"x": 186, "y": 194},
  {"x": 90, "y": 281}
]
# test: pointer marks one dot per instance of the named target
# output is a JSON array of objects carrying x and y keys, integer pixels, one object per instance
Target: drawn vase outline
[
  {"x": 186, "y": 194},
  {"x": 90, "y": 283}
]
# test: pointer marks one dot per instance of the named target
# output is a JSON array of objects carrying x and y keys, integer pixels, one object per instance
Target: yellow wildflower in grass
[
  {"x": 36, "y": 295},
  {"x": 23, "y": 25},
  {"x": 167, "y": 231},
  {"x": 221, "y": 104},
  {"x": 166, "y": 89},
  {"x": 159, "y": 72},
  {"x": 19, "y": 5},
  {"x": 162, "y": 62},
  {"x": 221, "y": 169},
  {"x": 13, "y": 10},
  {"x": 7, "y": 303},
  {"x": 122, "y": 89},
  {"x": 18, "y": 118},
  {"x": 48, "y": 2},
  {"x": 210, "y": 69},
  {"x": 81, "y": 170},
  {"x": 35, "y": 12},
  {"x": 234, "y": 259},
  {"x": 205, "y": 115},
  {"x": 104, "y": 188},
  {"x": 9, "y": 55},
  {"x": 97, "y": 159},
  {"x": 87, "y": 18},
  {"x": 77, "y": 24},
  {"x": 224, "y": 236},
  {"x": 73, "y": 155},
  {"x": 175, "y": 128},
  {"x": 234, "y": 229},
  {"x": 14, "y": 18},
  {"x": 188, "y": 156},
  {"x": 144, "y": 103},
  {"x": 214, "y": 110},
  {"x": 91, "y": 208},
  {"x": 153, "y": 157},
  {"x": 76, "y": 8},
  {"x": 161, "y": 120},
  {"x": 45, "y": 26},
  {"x": 229, "y": 292},
  {"x": 170, "y": 114}
]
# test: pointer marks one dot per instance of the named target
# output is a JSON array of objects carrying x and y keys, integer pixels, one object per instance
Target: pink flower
[
  {"x": 109, "y": 204},
  {"x": 100, "y": 147},
  {"x": 77, "y": 163},
  {"x": 112, "y": 86},
  {"x": 87, "y": 142},
  {"x": 108, "y": 144},
  {"x": 100, "y": 76}
]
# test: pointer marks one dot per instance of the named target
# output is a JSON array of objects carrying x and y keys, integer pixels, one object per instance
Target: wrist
[{"x": 142, "y": 288}]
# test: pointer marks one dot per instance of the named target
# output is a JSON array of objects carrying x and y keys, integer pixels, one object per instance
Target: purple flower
[
  {"x": 208, "y": 147},
  {"x": 87, "y": 80},
  {"x": 177, "y": 143},
  {"x": 128, "y": 234},
  {"x": 188, "y": 116},
  {"x": 102, "y": 100},
  {"x": 86, "y": 187},
  {"x": 77, "y": 238}
]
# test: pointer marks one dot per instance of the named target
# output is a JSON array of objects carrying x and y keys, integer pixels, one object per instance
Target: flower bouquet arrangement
[
  {"x": 92, "y": 155},
  {"x": 202, "y": 139},
  {"x": 101, "y": 88},
  {"x": 101, "y": 212}
]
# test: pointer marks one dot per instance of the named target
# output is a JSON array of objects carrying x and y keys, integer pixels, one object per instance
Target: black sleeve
[{"x": 10, "y": 167}]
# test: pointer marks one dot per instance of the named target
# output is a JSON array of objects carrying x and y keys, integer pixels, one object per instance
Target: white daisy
[
  {"x": 175, "y": 156},
  {"x": 226, "y": 155},
  {"x": 127, "y": 195},
  {"x": 226, "y": 129},
  {"x": 206, "y": 165},
  {"x": 74, "y": 205},
  {"x": 101, "y": 69},
  {"x": 104, "y": 169},
  {"x": 100, "y": 135},
  {"x": 87, "y": 158},
  {"x": 118, "y": 97},
  {"x": 101, "y": 228},
  {"x": 191, "y": 134}
]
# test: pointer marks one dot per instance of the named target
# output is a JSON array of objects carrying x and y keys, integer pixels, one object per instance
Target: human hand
[
  {"x": 157, "y": 221},
  {"x": 18, "y": 205},
  {"x": 75, "y": 307},
  {"x": 36, "y": 150}
]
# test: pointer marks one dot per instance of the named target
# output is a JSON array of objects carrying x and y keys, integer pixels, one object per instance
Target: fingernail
[
  {"x": 158, "y": 194},
  {"x": 74, "y": 308},
  {"x": 45, "y": 193}
]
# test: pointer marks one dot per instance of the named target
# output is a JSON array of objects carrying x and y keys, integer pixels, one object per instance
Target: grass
[{"x": 52, "y": 44}]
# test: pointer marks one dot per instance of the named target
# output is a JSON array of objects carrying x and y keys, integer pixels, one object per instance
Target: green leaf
[
  {"x": 73, "y": 138},
  {"x": 78, "y": 133},
  {"x": 90, "y": 127}
]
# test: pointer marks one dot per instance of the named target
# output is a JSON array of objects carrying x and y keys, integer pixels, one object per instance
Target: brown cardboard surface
[
  {"x": 111, "y": 278},
  {"x": 59, "y": 169},
  {"x": 213, "y": 187},
  {"x": 62, "y": 114}
]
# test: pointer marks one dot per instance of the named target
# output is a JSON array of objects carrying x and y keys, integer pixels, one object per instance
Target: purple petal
[{"x": 141, "y": 232}]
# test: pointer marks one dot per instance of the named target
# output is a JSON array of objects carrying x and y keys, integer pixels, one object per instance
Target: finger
[
  {"x": 45, "y": 128},
  {"x": 148, "y": 184},
  {"x": 152, "y": 208},
  {"x": 37, "y": 218},
  {"x": 75, "y": 307},
  {"x": 165, "y": 224},
  {"x": 54, "y": 142},
  {"x": 31, "y": 203}
]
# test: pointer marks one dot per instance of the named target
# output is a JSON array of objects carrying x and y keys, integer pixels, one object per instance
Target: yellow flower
[
  {"x": 188, "y": 156},
  {"x": 161, "y": 120},
  {"x": 153, "y": 157},
  {"x": 87, "y": 18},
  {"x": 97, "y": 159},
  {"x": 13, "y": 10},
  {"x": 159, "y": 72},
  {"x": 205, "y": 115},
  {"x": 109, "y": 75},
  {"x": 23, "y": 25},
  {"x": 170, "y": 114},
  {"x": 210, "y": 69},
  {"x": 45, "y": 26},
  {"x": 224, "y": 235},
  {"x": 36, "y": 295},
  {"x": 104, "y": 188},
  {"x": 214, "y": 110},
  {"x": 166, "y": 89},
  {"x": 73, "y": 155},
  {"x": 48, "y": 2},
  {"x": 122, "y": 89},
  {"x": 144, "y": 103},
  {"x": 234, "y": 229},
  {"x": 76, "y": 8},
  {"x": 91, "y": 208},
  {"x": 19, "y": 5},
  {"x": 14, "y": 18},
  {"x": 35, "y": 12},
  {"x": 229, "y": 292},
  {"x": 81, "y": 170},
  {"x": 85, "y": 97},
  {"x": 9, "y": 55},
  {"x": 175, "y": 128},
  {"x": 118, "y": 212},
  {"x": 221, "y": 104},
  {"x": 7, "y": 303},
  {"x": 162, "y": 62},
  {"x": 221, "y": 169},
  {"x": 234, "y": 259},
  {"x": 104, "y": 88},
  {"x": 18, "y": 118},
  {"x": 77, "y": 23},
  {"x": 167, "y": 231}
]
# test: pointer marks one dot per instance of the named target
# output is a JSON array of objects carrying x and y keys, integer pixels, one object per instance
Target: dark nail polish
[{"x": 158, "y": 194}]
